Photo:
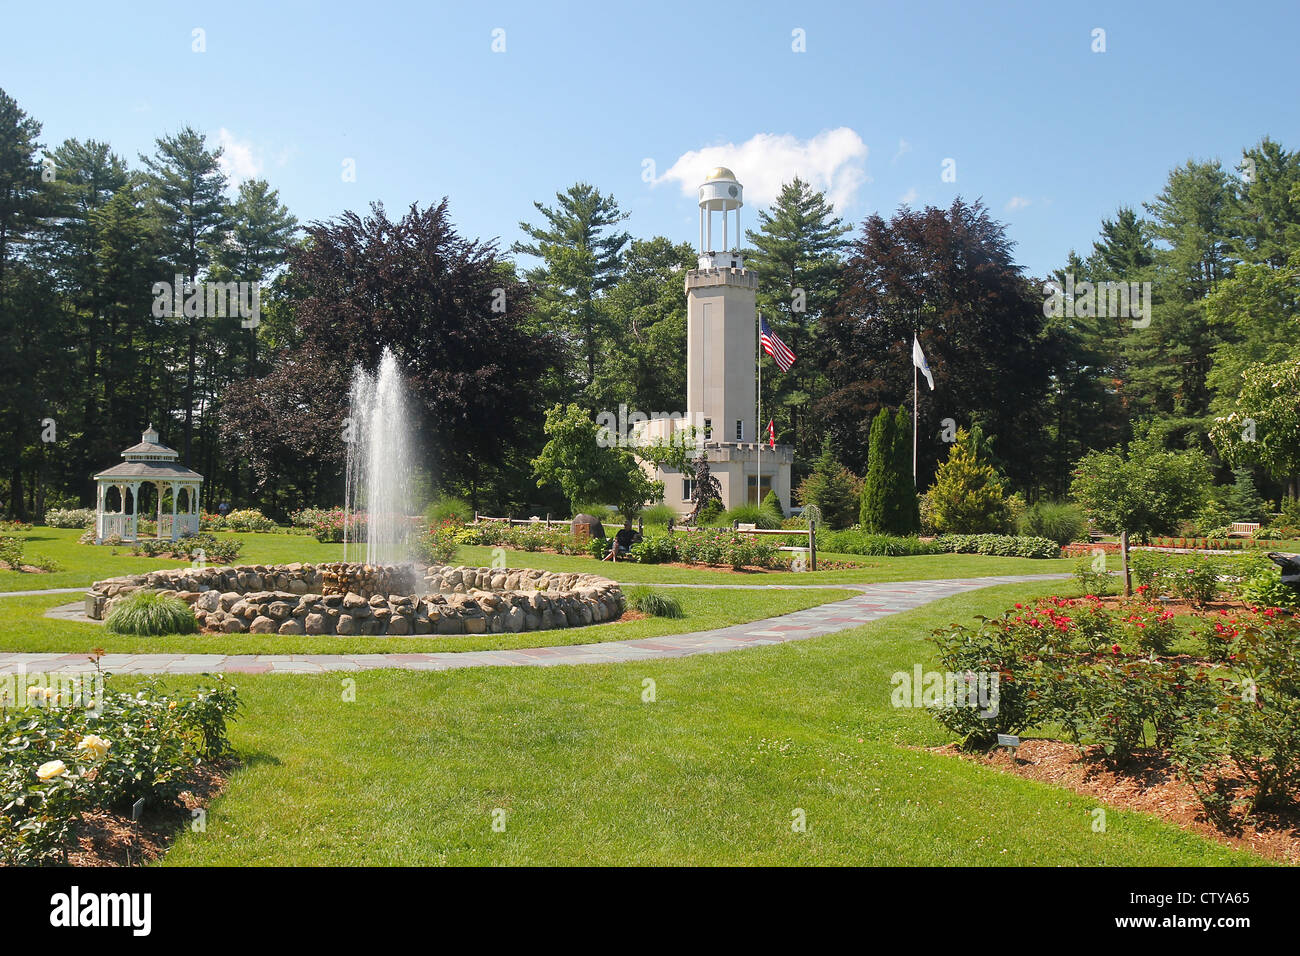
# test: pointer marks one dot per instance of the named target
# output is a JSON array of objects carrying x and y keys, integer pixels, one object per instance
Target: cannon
[{"x": 1290, "y": 565}]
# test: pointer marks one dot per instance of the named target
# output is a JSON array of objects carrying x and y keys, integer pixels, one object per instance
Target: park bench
[{"x": 1243, "y": 529}]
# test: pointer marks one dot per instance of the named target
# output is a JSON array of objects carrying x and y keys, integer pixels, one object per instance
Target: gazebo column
[
  {"x": 175, "y": 528},
  {"x": 157, "y": 485},
  {"x": 135, "y": 511}
]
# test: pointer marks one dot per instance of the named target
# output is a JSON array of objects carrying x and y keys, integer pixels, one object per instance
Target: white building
[{"x": 722, "y": 372}]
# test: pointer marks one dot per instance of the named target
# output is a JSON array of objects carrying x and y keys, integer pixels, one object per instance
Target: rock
[
  {"x": 399, "y": 625},
  {"x": 279, "y": 610},
  {"x": 208, "y": 601},
  {"x": 262, "y": 625},
  {"x": 314, "y": 624},
  {"x": 352, "y": 600},
  {"x": 291, "y": 626},
  {"x": 346, "y": 625},
  {"x": 234, "y": 625},
  {"x": 514, "y": 621}
]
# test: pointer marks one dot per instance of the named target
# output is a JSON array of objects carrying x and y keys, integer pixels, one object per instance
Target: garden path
[{"x": 872, "y": 603}]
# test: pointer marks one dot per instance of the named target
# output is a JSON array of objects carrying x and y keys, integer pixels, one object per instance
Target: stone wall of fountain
[{"x": 296, "y": 598}]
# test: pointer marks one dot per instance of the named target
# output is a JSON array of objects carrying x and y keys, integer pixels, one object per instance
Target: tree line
[{"x": 581, "y": 313}]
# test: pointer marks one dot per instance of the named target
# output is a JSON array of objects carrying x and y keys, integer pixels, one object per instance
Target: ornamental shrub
[
  {"x": 149, "y": 613},
  {"x": 1064, "y": 523},
  {"x": 967, "y": 496},
  {"x": 70, "y": 518}
]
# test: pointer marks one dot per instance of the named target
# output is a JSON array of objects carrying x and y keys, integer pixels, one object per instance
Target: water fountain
[
  {"x": 377, "y": 486},
  {"x": 376, "y": 589}
]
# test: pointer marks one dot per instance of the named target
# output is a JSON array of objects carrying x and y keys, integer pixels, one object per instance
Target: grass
[
  {"x": 588, "y": 772},
  {"x": 83, "y": 564},
  {"x": 23, "y": 627}
]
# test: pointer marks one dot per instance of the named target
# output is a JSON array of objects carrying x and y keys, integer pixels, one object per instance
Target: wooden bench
[{"x": 1243, "y": 529}]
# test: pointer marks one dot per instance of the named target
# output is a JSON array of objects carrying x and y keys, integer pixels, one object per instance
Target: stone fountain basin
[{"x": 360, "y": 599}]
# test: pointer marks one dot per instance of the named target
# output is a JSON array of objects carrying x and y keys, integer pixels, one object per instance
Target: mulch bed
[
  {"x": 104, "y": 838},
  {"x": 1147, "y": 785}
]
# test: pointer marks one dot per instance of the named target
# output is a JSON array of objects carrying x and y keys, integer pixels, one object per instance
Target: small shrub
[
  {"x": 654, "y": 549},
  {"x": 149, "y": 614},
  {"x": 70, "y": 517},
  {"x": 1061, "y": 522},
  {"x": 655, "y": 603},
  {"x": 658, "y": 515},
  {"x": 439, "y": 543},
  {"x": 751, "y": 514},
  {"x": 1091, "y": 580},
  {"x": 11, "y": 551},
  {"x": 248, "y": 520},
  {"x": 449, "y": 509},
  {"x": 1003, "y": 545}
]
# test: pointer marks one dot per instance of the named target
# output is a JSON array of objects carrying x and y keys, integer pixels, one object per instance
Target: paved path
[
  {"x": 83, "y": 590},
  {"x": 874, "y": 602}
]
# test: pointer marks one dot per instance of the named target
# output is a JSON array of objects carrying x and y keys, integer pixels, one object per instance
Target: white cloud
[
  {"x": 237, "y": 159},
  {"x": 1017, "y": 202},
  {"x": 834, "y": 161},
  {"x": 904, "y": 147},
  {"x": 909, "y": 197}
]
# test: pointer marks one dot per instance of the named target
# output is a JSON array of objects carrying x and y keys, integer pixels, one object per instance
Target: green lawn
[
  {"x": 24, "y": 628},
  {"x": 709, "y": 773},
  {"x": 84, "y": 563}
]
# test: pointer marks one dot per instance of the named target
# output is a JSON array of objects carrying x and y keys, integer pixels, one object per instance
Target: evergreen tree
[
  {"x": 832, "y": 488},
  {"x": 905, "y": 505},
  {"x": 796, "y": 253},
  {"x": 875, "y": 512},
  {"x": 188, "y": 194},
  {"x": 581, "y": 259}
]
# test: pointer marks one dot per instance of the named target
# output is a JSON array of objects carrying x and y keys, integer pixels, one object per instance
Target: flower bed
[
  {"x": 63, "y": 758},
  {"x": 1227, "y": 718}
]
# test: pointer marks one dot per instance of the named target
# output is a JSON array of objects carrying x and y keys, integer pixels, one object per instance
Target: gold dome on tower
[{"x": 720, "y": 172}]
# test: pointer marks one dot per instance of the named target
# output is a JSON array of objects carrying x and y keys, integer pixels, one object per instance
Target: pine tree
[
  {"x": 796, "y": 253},
  {"x": 581, "y": 259},
  {"x": 188, "y": 189}
]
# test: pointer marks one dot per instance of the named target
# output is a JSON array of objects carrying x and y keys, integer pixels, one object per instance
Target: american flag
[
  {"x": 771, "y": 431},
  {"x": 774, "y": 347}
]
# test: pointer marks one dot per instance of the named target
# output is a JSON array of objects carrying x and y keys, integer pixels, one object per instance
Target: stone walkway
[{"x": 874, "y": 602}]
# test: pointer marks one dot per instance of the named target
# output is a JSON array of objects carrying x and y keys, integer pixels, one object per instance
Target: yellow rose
[
  {"x": 48, "y": 771},
  {"x": 34, "y": 692},
  {"x": 94, "y": 745}
]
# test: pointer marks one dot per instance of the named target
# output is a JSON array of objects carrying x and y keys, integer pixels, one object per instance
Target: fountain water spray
[{"x": 377, "y": 485}]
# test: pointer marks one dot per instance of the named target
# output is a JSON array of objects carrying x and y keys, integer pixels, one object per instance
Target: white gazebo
[{"x": 147, "y": 463}]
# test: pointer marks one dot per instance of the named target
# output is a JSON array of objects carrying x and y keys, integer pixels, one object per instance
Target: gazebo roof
[
  {"x": 151, "y": 470},
  {"x": 150, "y": 460}
]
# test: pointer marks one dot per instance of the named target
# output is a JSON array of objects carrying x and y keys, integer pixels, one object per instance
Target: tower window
[
  {"x": 708, "y": 428},
  {"x": 740, "y": 429}
]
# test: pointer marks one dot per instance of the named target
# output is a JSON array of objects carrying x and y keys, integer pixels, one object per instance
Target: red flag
[{"x": 771, "y": 432}]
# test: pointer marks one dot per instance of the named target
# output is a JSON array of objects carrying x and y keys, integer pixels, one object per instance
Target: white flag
[{"x": 918, "y": 359}]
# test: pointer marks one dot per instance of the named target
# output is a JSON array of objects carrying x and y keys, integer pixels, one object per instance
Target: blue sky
[{"x": 1050, "y": 134}]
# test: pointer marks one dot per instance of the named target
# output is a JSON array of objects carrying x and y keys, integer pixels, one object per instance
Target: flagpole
[
  {"x": 915, "y": 417},
  {"x": 758, "y": 414}
]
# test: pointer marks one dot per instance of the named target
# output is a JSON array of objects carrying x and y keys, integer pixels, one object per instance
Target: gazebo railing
[
  {"x": 122, "y": 525},
  {"x": 175, "y": 526}
]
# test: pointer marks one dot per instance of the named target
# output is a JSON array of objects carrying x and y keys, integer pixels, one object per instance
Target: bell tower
[{"x": 721, "y": 320}]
